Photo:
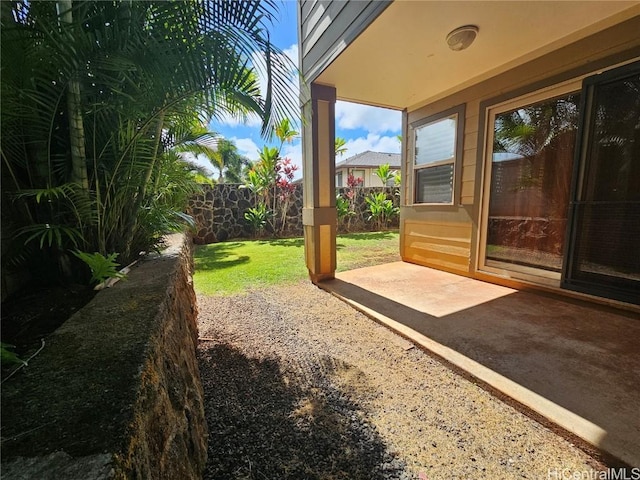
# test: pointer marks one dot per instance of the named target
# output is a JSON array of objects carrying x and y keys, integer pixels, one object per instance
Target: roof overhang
[{"x": 402, "y": 59}]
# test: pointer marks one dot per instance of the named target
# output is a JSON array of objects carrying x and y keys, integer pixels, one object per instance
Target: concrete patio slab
[{"x": 573, "y": 362}]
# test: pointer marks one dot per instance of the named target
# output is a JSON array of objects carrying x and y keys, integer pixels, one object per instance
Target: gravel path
[{"x": 298, "y": 385}]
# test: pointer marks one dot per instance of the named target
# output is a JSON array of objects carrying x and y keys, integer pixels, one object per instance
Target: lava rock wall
[
  {"x": 219, "y": 213},
  {"x": 116, "y": 392}
]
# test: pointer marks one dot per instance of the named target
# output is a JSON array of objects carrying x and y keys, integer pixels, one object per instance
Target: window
[
  {"x": 436, "y": 152},
  {"x": 339, "y": 179}
]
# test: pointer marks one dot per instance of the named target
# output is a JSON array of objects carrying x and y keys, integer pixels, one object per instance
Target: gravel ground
[{"x": 298, "y": 385}]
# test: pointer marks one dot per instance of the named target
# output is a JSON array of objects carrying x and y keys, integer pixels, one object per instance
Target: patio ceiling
[{"x": 402, "y": 59}]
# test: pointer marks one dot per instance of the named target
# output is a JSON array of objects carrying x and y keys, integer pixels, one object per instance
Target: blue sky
[{"x": 364, "y": 128}]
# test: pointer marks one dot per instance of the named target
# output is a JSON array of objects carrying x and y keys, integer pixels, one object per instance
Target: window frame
[{"x": 458, "y": 113}]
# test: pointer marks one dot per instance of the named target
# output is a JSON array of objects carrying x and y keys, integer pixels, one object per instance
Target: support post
[{"x": 319, "y": 216}]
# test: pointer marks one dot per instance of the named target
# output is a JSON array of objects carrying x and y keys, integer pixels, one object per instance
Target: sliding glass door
[
  {"x": 562, "y": 186},
  {"x": 531, "y": 158},
  {"x": 604, "y": 251}
]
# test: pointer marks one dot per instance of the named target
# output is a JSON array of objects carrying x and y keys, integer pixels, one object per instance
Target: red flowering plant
[
  {"x": 352, "y": 183},
  {"x": 286, "y": 171},
  {"x": 271, "y": 180}
]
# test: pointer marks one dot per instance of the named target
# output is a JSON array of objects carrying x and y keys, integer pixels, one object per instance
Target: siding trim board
[
  {"x": 313, "y": 27},
  {"x": 321, "y": 47},
  {"x": 305, "y": 5}
]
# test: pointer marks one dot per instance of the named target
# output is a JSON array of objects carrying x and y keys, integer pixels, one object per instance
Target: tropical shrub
[
  {"x": 353, "y": 183},
  {"x": 7, "y": 357},
  {"x": 382, "y": 209},
  {"x": 397, "y": 179},
  {"x": 102, "y": 268},
  {"x": 258, "y": 217},
  {"x": 385, "y": 174},
  {"x": 271, "y": 178},
  {"x": 285, "y": 188},
  {"x": 96, "y": 96},
  {"x": 343, "y": 208}
]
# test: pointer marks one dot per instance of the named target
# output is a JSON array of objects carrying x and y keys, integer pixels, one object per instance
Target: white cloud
[
  {"x": 351, "y": 116},
  {"x": 246, "y": 147},
  {"x": 200, "y": 160},
  {"x": 373, "y": 142},
  {"x": 292, "y": 53}
]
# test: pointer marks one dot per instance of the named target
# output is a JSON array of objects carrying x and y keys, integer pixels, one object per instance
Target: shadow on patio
[{"x": 573, "y": 362}]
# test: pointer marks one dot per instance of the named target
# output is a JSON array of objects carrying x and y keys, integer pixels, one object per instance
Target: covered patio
[
  {"x": 460, "y": 72},
  {"x": 574, "y": 363}
]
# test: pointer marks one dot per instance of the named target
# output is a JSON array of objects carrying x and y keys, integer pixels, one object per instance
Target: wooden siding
[
  {"x": 439, "y": 239},
  {"x": 445, "y": 237},
  {"x": 328, "y": 26}
]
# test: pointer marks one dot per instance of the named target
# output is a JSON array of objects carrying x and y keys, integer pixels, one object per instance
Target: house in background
[
  {"x": 363, "y": 165},
  {"x": 521, "y": 151}
]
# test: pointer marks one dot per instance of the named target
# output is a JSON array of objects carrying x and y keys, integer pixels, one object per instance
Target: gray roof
[{"x": 370, "y": 159}]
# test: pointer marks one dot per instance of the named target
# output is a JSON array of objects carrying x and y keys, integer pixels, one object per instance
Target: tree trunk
[{"x": 74, "y": 107}]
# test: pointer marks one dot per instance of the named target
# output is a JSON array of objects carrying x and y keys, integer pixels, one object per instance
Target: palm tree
[
  {"x": 146, "y": 73},
  {"x": 285, "y": 133},
  {"x": 234, "y": 163},
  {"x": 205, "y": 144},
  {"x": 340, "y": 146},
  {"x": 221, "y": 153}
]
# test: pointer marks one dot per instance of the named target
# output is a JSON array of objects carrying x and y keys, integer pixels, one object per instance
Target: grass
[{"x": 234, "y": 267}]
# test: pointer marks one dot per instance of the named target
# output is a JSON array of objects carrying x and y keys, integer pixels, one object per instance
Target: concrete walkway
[{"x": 575, "y": 363}]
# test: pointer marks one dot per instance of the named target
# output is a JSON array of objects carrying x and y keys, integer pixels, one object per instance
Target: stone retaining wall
[
  {"x": 116, "y": 392},
  {"x": 219, "y": 213}
]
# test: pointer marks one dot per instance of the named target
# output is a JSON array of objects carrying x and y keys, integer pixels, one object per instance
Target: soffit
[{"x": 402, "y": 59}]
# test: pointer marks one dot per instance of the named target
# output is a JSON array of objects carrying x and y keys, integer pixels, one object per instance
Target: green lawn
[{"x": 232, "y": 267}]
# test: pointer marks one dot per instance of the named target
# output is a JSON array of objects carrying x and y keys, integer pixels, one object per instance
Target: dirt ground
[{"x": 299, "y": 385}]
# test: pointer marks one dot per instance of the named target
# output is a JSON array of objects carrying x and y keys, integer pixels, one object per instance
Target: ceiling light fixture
[{"x": 462, "y": 37}]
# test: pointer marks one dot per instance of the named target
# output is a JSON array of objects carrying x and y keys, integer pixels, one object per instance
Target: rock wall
[
  {"x": 116, "y": 392},
  {"x": 219, "y": 213}
]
